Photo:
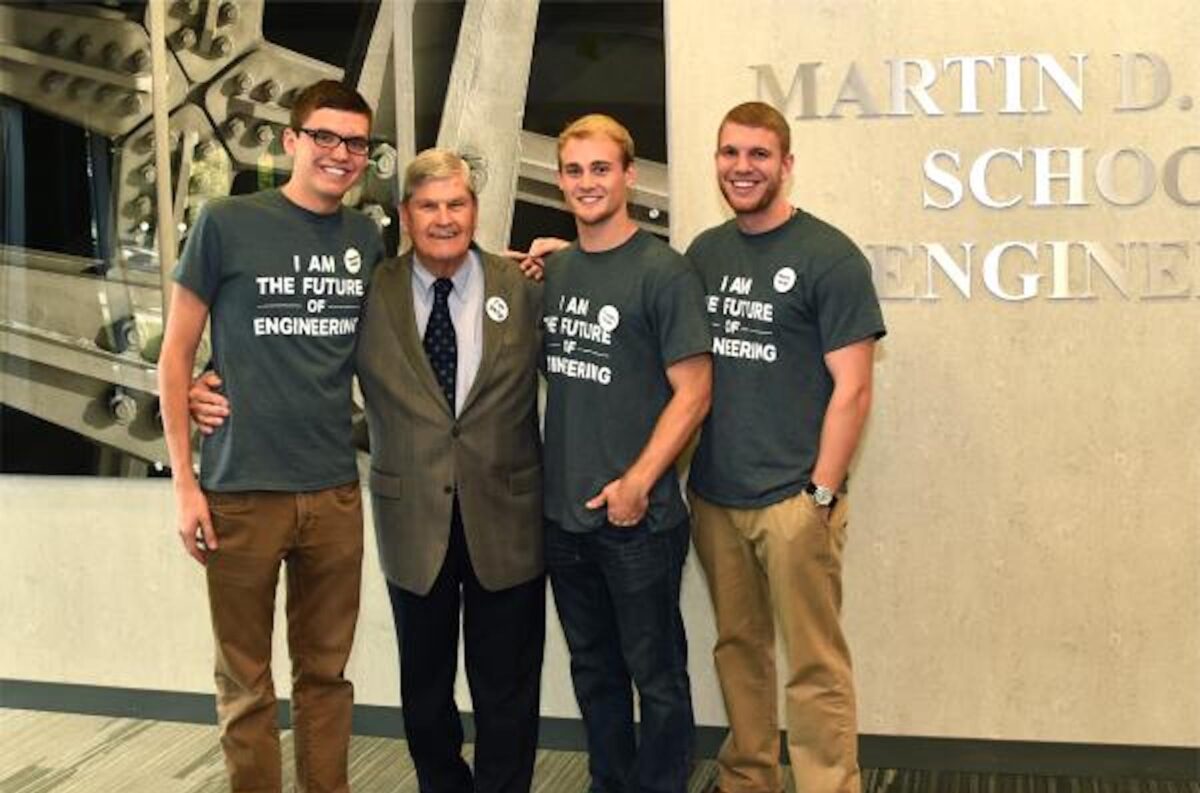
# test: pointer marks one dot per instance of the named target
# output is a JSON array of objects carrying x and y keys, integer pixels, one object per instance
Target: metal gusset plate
[
  {"x": 207, "y": 35},
  {"x": 251, "y": 102},
  {"x": 92, "y": 70},
  {"x": 201, "y": 169}
]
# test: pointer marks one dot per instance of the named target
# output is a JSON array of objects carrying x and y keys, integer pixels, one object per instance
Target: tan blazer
[{"x": 420, "y": 453}]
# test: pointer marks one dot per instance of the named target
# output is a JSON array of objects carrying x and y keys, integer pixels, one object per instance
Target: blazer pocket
[
  {"x": 526, "y": 480},
  {"x": 386, "y": 485}
]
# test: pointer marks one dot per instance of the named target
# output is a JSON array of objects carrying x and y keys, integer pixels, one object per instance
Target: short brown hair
[
  {"x": 434, "y": 164},
  {"x": 330, "y": 94},
  {"x": 598, "y": 124},
  {"x": 760, "y": 115}
]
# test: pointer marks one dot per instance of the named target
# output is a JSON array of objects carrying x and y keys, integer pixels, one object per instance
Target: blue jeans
[{"x": 617, "y": 594}]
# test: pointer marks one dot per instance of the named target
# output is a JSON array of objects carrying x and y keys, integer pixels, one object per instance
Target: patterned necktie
[{"x": 441, "y": 345}]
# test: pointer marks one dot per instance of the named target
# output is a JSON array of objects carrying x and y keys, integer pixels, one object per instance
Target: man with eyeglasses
[
  {"x": 327, "y": 139},
  {"x": 282, "y": 275}
]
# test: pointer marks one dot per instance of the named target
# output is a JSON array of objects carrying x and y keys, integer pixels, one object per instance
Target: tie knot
[{"x": 442, "y": 287}]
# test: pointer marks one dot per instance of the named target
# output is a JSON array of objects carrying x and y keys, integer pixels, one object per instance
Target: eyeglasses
[{"x": 330, "y": 140}]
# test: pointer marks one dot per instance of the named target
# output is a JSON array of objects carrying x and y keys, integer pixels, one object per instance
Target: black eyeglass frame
[{"x": 359, "y": 147}]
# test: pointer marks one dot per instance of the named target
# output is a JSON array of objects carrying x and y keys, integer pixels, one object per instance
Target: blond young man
[{"x": 629, "y": 372}]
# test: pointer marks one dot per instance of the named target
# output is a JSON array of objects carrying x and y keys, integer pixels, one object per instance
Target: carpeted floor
[{"x": 66, "y": 753}]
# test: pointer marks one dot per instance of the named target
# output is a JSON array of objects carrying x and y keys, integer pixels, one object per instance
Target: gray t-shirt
[
  {"x": 614, "y": 322},
  {"x": 777, "y": 302},
  {"x": 285, "y": 288}
]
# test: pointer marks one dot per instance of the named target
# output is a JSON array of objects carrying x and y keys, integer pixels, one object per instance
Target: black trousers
[{"x": 504, "y": 633}]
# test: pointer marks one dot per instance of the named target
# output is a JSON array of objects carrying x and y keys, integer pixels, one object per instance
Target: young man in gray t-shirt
[
  {"x": 795, "y": 320},
  {"x": 282, "y": 275},
  {"x": 628, "y": 371}
]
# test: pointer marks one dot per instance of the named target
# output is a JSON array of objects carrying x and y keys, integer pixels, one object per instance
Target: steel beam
[
  {"x": 76, "y": 305},
  {"x": 168, "y": 241},
  {"x": 124, "y": 419},
  {"x": 404, "y": 80},
  {"x": 485, "y": 105}
]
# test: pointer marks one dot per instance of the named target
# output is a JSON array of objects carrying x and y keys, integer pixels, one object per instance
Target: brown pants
[
  {"x": 319, "y": 535},
  {"x": 783, "y": 561}
]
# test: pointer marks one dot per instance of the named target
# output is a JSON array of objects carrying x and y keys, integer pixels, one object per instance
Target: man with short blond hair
[
  {"x": 598, "y": 125},
  {"x": 796, "y": 319},
  {"x": 628, "y": 371}
]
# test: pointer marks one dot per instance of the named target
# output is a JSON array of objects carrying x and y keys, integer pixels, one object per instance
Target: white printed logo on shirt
[
  {"x": 743, "y": 327},
  {"x": 316, "y": 301},
  {"x": 577, "y": 347}
]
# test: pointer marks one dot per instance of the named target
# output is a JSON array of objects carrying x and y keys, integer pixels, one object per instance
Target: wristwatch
[{"x": 821, "y": 495}]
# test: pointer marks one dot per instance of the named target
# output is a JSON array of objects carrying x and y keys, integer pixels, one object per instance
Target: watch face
[{"x": 823, "y": 496}]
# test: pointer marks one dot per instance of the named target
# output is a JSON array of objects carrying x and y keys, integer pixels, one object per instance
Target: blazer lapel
[
  {"x": 494, "y": 287},
  {"x": 404, "y": 322}
]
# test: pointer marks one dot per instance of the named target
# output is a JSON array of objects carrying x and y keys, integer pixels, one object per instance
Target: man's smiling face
[
  {"x": 325, "y": 175},
  {"x": 751, "y": 168},
  {"x": 440, "y": 218},
  {"x": 594, "y": 179}
]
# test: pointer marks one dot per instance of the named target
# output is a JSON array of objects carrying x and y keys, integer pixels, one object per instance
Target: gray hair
[{"x": 434, "y": 164}]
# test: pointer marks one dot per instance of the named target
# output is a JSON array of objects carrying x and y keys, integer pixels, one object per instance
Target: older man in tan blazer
[{"x": 447, "y": 359}]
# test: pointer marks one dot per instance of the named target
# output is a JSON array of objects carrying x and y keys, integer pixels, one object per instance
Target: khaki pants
[
  {"x": 780, "y": 562},
  {"x": 319, "y": 535}
]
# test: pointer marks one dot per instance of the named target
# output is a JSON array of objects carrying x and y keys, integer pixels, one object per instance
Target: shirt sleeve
[
  {"x": 199, "y": 267},
  {"x": 377, "y": 252},
  {"x": 679, "y": 316},
  {"x": 847, "y": 307}
]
